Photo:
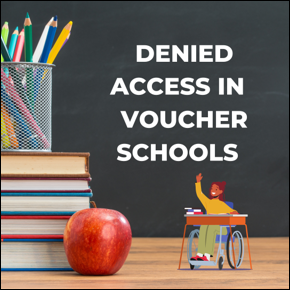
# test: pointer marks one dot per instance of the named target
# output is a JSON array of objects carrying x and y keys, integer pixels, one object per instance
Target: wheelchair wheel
[
  {"x": 192, "y": 247},
  {"x": 221, "y": 263},
  {"x": 238, "y": 249}
]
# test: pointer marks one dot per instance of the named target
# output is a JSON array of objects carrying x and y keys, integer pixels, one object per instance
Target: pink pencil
[{"x": 19, "y": 47}]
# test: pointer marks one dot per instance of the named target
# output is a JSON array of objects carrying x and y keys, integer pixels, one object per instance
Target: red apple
[{"x": 97, "y": 241}]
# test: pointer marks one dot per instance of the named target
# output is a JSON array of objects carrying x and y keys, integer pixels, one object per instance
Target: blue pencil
[
  {"x": 24, "y": 132},
  {"x": 37, "y": 81},
  {"x": 13, "y": 41},
  {"x": 44, "y": 56},
  {"x": 49, "y": 41}
]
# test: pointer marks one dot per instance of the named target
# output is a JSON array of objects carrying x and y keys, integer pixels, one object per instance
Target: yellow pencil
[
  {"x": 5, "y": 142},
  {"x": 59, "y": 43},
  {"x": 9, "y": 127}
]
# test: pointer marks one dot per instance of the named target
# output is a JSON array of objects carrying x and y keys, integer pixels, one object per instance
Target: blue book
[{"x": 36, "y": 255}]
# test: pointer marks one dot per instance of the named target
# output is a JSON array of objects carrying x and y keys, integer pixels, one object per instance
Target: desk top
[{"x": 216, "y": 219}]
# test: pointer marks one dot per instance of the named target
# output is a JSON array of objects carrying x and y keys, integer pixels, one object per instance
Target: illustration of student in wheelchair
[{"x": 201, "y": 242}]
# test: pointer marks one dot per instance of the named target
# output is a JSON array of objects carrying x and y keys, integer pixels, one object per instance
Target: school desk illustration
[{"x": 215, "y": 227}]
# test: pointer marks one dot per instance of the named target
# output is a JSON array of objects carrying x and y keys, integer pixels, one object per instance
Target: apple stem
[{"x": 93, "y": 204}]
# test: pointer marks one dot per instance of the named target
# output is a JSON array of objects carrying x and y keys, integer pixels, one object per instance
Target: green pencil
[
  {"x": 4, "y": 51},
  {"x": 28, "y": 46},
  {"x": 28, "y": 53},
  {"x": 5, "y": 34}
]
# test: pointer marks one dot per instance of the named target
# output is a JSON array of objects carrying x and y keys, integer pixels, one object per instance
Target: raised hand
[{"x": 199, "y": 177}]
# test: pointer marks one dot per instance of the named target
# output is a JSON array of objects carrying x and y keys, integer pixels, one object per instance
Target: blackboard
[{"x": 86, "y": 118}]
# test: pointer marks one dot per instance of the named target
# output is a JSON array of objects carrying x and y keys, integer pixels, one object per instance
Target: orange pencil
[
  {"x": 19, "y": 47},
  {"x": 9, "y": 127}
]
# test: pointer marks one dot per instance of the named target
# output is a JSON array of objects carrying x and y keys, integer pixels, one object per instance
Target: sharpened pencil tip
[
  {"x": 71, "y": 23},
  {"x": 6, "y": 23},
  {"x": 27, "y": 15},
  {"x": 17, "y": 28},
  {"x": 55, "y": 18}
]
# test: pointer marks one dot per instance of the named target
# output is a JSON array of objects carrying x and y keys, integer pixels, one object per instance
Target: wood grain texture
[{"x": 153, "y": 263}]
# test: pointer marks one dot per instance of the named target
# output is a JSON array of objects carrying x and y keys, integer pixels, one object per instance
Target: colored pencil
[
  {"x": 13, "y": 41},
  {"x": 28, "y": 53},
  {"x": 66, "y": 40},
  {"x": 4, "y": 51},
  {"x": 9, "y": 127},
  {"x": 19, "y": 47},
  {"x": 41, "y": 42},
  {"x": 5, "y": 142},
  {"x": 49, "y": 41},
  {"x": 28, "y": 45},
  {"x": 40, "y": 74},
  {"x": 59, "y": 43},
  {"x": 14, "y": 74},
  {"x": 23, "y": 109},
  {"x": 37, "y": 55},
  {"x": 24, "y": 132},
  {"x": 5, "y": 34},
  {"x": 16, "y": 78}
]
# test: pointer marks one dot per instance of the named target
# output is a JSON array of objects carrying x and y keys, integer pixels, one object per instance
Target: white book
[
  {"x": 33, "y": 226},
  {"x": 44, "y": 203},
  {"x": 18, "y": 185},
  {"x": 33, "y": 255}
]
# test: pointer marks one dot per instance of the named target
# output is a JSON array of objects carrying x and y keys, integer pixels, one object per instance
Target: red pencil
[{"x": 19, "y": 47}]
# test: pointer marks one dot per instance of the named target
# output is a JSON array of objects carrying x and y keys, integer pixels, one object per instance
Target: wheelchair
[{"x": 222, "y": 240}]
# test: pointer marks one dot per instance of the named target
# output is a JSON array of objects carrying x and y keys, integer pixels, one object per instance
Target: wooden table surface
[{"x": 153, "y": 263}]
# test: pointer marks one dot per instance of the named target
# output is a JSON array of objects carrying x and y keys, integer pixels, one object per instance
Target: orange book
[{"x": 9, "y": 127}]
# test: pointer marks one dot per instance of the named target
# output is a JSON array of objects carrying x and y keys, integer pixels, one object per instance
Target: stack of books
[
  {"x": 39, "y": 193},
  {"x": 193, "y": 211}
]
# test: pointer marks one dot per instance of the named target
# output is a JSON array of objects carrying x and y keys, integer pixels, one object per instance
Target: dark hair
[{"x": 221, "y": 186}]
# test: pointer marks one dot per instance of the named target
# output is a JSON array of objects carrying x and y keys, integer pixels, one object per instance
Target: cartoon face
[{"x": 215, "y": 191}]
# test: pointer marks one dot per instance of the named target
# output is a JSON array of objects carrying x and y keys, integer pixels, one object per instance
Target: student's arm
[{"x": 204, "y": 200}]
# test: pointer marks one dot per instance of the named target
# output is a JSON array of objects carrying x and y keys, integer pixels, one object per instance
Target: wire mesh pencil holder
[{"x": 26, "y": 101}]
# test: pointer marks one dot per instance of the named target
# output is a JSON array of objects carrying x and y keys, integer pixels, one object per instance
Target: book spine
[
  {"x": 31, "y": 240},
  {"x": 35, "y": 217},
  {"x": 56, "y": 194},
  {"x": 31, "y": 237},
  {"x": 43, "y": 176},
  {"x": 48, "y": 178},
  {"x": 36, "y": 213},
  {"x": 34, "y": 269},
  {"x": 47, "y": 191}
]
